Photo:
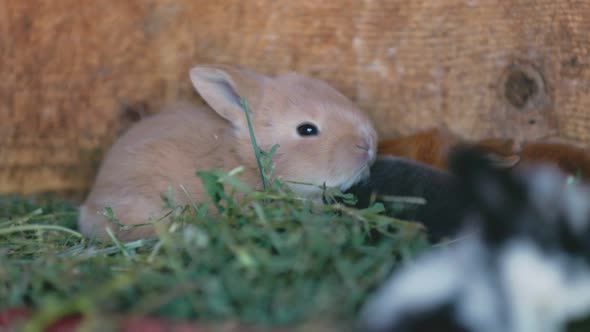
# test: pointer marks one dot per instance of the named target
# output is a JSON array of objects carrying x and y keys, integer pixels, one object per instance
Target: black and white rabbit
[{"x": 521, "y": 265}]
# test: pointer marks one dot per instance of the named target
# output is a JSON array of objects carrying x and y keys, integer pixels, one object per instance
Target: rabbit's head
[{"x": 323, "y": 137}]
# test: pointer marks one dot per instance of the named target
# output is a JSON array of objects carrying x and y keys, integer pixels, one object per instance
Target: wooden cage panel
[{"x": 70, "y": 69}]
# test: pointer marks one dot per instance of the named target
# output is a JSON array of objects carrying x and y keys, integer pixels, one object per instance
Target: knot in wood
[
  {"x": 520, "y": 88},
  {"x": 523, "y": 87}
]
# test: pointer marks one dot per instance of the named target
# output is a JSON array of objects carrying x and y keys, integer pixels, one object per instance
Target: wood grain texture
[{"x": 482, "y": 68}]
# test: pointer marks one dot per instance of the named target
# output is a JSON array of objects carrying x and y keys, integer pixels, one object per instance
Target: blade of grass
[
  {"x": 24, "y": 228},
  {"x": 118, "y": 243},
  {"x": 22, "y": 219},
  {"x": 254, "y": 144}
]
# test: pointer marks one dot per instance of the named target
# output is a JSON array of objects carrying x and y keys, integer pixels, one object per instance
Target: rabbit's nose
[
  {"x": 368, "y": 148},
  {"x": 372, "y": 155}
]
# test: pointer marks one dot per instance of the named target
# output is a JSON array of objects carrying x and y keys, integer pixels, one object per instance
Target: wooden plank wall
[{"x": 69, "y": 69}]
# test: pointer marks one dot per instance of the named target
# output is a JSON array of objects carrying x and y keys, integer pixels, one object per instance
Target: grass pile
[
  {"x": 266, "y": 259},
  {"x": 270, "y": 258}
]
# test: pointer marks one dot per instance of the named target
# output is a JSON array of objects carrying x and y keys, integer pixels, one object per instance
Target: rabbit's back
[{"x": 160, "y": 152}]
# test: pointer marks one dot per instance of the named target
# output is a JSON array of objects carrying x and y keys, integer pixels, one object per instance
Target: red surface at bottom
[{"x": 11, "y": 318}]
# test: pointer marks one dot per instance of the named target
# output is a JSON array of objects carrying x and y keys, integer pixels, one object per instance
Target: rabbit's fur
[
  {"x": 523, "y": 264},
  {"x": 168, "y": 148}
]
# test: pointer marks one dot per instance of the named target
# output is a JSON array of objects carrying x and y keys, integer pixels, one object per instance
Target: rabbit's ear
[{"x": 223, "y": 88}]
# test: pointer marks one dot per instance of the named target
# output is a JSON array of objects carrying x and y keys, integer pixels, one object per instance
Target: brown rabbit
[
  {"x": 432, "y": 147},
  {"x": 322, "y": 136},
  {"x": 569, "y": 158}
]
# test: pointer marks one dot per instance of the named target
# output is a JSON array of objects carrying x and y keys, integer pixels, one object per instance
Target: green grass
[{"x": 268, "y": 259}]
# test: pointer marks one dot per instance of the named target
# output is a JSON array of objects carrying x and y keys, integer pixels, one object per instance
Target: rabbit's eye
[{"x": 307, "y": 129}]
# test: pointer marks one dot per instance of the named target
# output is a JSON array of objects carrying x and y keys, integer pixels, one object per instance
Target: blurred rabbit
[
  {"x": 434, "y": 145},
  {"x": 523, "y": 264},
  {"x": 441, "y": 210}
]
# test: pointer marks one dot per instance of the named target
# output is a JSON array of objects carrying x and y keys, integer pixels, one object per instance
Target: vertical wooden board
[{"x": 480, "y": 67}]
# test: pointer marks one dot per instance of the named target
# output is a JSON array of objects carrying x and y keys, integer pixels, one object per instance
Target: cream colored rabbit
[{"x": 323, "y": 138}]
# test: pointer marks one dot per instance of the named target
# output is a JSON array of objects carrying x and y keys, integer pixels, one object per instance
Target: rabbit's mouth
[{"x": 360, "y": 174}]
